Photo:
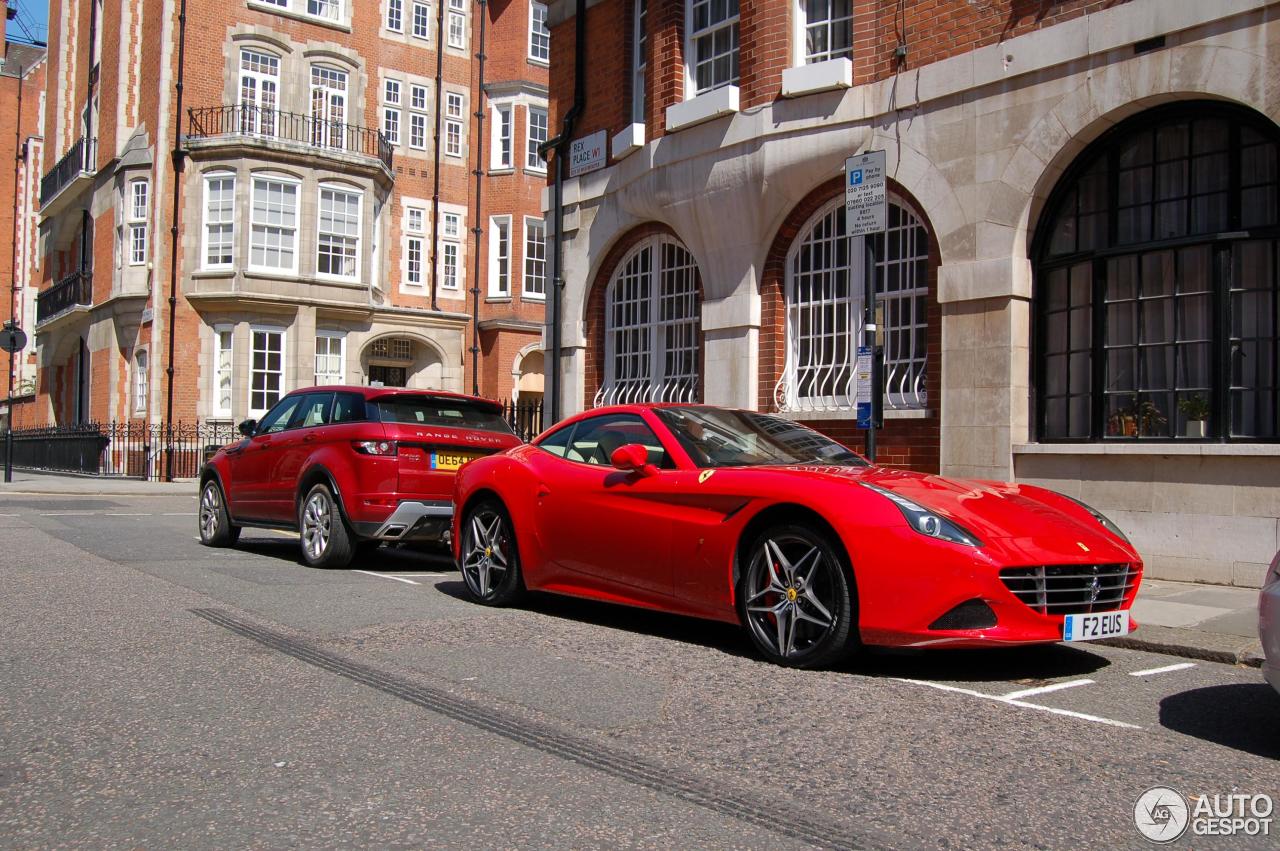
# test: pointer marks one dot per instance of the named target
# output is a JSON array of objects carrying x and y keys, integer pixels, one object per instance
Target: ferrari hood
[{"x": 988, "y": 509}]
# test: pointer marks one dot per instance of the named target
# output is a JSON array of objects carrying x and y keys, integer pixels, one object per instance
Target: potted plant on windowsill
[{"x": 1196, "y": 410}]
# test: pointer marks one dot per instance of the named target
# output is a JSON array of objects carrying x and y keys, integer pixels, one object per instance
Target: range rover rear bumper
[{"x": 413, "y": 520}]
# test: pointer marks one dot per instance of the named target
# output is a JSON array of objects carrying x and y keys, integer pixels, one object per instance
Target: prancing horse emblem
[{"x": 1095, "y": 587}]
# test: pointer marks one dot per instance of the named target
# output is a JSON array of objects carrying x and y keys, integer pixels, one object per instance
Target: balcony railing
[
  {"x": 75, "y": 289},
  {"x": 261, "y": 123},
  {"x": 81, "y": 159}
]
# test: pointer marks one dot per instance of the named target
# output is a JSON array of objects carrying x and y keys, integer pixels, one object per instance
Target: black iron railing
[
  {"x": 262, "y": 123},
  {"x": 80, "y": 159},
  {"x": 137, "y": 450},
  {"x": 74, "y": 289},
  {"x": 525, "y": 418}
]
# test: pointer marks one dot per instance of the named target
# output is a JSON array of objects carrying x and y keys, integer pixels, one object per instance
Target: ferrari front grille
[{"x": 1071, "y": 589}]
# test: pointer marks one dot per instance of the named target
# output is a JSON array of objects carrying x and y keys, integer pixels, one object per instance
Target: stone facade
[
  {"x": 980, "y": 120},
  {"x": 306, "y": 205}
]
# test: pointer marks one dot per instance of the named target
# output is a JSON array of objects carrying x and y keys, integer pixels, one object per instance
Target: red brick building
[
  {"x": 330, "y": 224},
  {"x": 1079, "y": 273},
  {"x": 21, "y": 143}
]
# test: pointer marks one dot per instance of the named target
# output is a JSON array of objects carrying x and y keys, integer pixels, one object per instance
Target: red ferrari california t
[{"x": 753, "y": 519}]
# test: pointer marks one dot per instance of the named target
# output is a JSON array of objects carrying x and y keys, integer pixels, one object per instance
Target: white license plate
[{"x": 1093, "y": 627}]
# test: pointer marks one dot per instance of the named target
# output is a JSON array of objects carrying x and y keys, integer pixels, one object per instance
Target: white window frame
[
  {"x": 141, "y": 381},
  {"x": 533, "y": 224},
  {"x": 396, "y": 8},
  {"x": 533, "y": 160},
  {"x": 355, "y": 192},
  {"x": 539, "y": 34},
  {"x": 283, "y": 389},
  {"x": 334, "y": 113},
  {"x": 692, "y": 35},
  {"x": 392, "y": 101},
  {"x": 905, "y": 311},
  {"x": 292, "y": 230},
  {"x": 414, "y": 18},
  {"x": 642, "y": 304},
  {"x": 503, "y": 141},
  {"x": 457, "y": 24},
  {"x": 258, "y": 116},
  {"x": 415, "y": 229},
  {"x": 639, "y": 59},
  {"x": 500, "y": 232},
  {"x": 218, "y": 370},
  {"x": 137, "y": 215},
  {"x": 454, "y": 124},
  {"x": 329, "y": 379},
  {"x": 209, "y": 223},
  {"x": 302, "y": 9},
  {"x": 418, "y": 118},
  {"x": 802, "y": 25},
  {"x": 452, "y": 232}
]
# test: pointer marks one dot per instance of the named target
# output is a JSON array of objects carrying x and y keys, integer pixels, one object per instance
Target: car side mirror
[
  {"x": 633, "y": 458},
  {"x": 248, "y": 427}
]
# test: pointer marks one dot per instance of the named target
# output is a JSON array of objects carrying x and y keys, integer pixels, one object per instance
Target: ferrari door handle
[{"x": 543, "y": 490}]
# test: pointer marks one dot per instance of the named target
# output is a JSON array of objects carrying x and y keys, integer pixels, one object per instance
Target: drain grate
[{"x": 623, "y": 766}]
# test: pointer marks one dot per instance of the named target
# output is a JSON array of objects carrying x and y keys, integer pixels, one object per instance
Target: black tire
[
  {"x": 796, "y": 597},
  {"x": 216, "y": 529},
  {"x": 326, "y": 541},
  {"x": 489, "y": 545}
]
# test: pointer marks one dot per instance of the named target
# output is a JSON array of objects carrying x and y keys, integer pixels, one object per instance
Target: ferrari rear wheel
[
  {"x": 490, "y": 561},
  {"x": 796, "y": 599}
]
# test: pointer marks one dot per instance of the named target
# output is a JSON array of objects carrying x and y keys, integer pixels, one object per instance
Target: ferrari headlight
[
  {"x": 927, "y": 522},
  {"x": 1103, "y": 520}
]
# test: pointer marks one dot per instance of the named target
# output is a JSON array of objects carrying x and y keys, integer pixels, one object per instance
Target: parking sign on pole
[{"x": 866, "y": 214}]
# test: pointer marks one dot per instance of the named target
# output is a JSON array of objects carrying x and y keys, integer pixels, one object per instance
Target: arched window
[
  {"x": 824, "y": 275},
  {"x": 651, "y": 326},
  {"x": 1156, "y": 294}
]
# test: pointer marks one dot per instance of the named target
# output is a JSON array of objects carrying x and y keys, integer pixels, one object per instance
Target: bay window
[
  {"x": 338, "y": 243},
  {"x": 139, "y": 208},
  {"x": 219, "y": 221},
  {"x": 535, "y": 258},
  {"x": 273, "y": 225},
  {"x": 536, "y": 135},
  {"x": 500, "y": 256}
]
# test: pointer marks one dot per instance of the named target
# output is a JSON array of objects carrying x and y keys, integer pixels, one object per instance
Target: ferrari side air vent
[{"x": 971, "y": 614}]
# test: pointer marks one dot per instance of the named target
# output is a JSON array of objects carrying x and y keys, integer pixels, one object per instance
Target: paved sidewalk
[
  {"x": 1212, "y": 622},
  {"x": 31, "y": 481}
]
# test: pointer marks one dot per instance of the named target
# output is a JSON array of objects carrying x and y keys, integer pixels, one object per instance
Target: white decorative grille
[
  {"x": 824, "y": 276},
  {"x": 652, "y": 322}
]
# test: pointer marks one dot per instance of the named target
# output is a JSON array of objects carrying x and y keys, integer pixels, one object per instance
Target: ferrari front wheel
[
  {"x": 490, "y": 561},
  {"x": 796, "y": 599}
]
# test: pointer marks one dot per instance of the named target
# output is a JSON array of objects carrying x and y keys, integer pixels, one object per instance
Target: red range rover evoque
[{"x": 349, "y": 466}]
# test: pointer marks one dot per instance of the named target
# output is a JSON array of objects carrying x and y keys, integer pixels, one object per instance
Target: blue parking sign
[{"x": 855, "y": 177}]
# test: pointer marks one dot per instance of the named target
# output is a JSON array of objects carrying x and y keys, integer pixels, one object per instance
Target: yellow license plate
[{"x": 450, "y": 460}]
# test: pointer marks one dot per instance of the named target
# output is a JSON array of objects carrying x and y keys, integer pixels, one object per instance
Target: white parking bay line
[
  {"x": 1018, "y": 695},
  {"x": 386, "y": 576},
  {"x": 68, "y": 513},
  {"x": 1181, "y": 666},
  {"x": 1021, "y": 703},
  {"x": 125, "y": 514}
]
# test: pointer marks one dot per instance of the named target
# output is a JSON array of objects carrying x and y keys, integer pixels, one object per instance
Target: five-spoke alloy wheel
[
  {"x": 325, "y": 539},
  {"x": 795, "y": 598},
  {"x": 216, "y": 529},
  {"x": 490, "y": 561}
]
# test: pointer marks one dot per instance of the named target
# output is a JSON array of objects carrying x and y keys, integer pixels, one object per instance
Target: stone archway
[{"x": 402, "y": 360}]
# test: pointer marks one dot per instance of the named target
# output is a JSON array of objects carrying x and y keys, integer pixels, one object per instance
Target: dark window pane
[
  {"x": 1171, "y": 141},
  {"x": 1079, "y": 373},
  {"x": 1055, "y": 374},
  {"x": 1079, "y": 408},
  {"x": 1055, "y": 418},
  {"x": 1153, "y": 415},
  {"x": 1122, "y": 324},
  {"x": 1122, "y": 372}
]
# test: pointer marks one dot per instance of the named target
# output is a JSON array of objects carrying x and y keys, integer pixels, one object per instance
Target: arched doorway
[{"x": 401, "y": 361}]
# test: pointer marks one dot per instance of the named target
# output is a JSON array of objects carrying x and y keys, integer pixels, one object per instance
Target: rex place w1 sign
[{"x": 587, "y": 154}]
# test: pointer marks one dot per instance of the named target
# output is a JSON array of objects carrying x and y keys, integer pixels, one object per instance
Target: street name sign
[
  {"x": 587, "y": 154},
  {"x": 865, "y": 204}
]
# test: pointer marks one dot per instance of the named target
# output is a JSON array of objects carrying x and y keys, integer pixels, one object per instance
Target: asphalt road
[{"x": 155, "y": 693}]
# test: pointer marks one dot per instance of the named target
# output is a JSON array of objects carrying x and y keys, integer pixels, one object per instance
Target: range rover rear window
[{"x": 428, "y": 410}]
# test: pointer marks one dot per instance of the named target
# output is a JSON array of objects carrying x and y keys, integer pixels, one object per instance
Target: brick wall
[{"x": 931, "y": 29}]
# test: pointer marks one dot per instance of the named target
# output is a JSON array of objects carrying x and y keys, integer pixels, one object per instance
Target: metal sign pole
[
  {"x": 866, "y": 214},
  {"x": 12, "y": 340}
]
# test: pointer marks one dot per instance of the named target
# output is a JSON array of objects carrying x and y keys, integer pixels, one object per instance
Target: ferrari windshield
[{"x": 715, "y": 437}]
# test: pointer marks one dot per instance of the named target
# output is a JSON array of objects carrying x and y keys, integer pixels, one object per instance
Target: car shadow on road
[
  {"x": 713, "y": 634},
  {"x": 1031, "y": 665},
  {"x": 1241, "y": 716},
  {"x": 385, "y": 559}
]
